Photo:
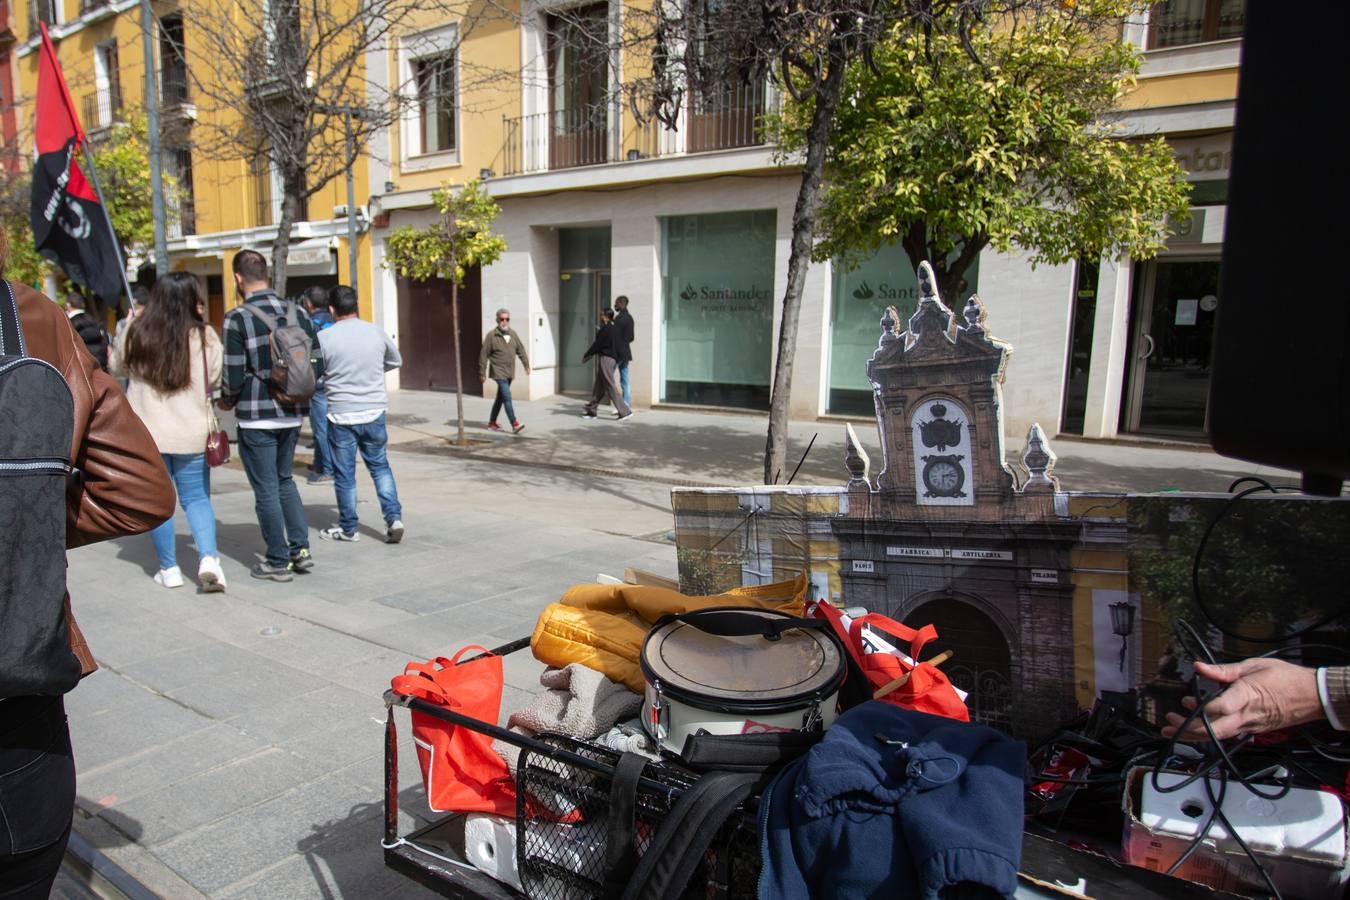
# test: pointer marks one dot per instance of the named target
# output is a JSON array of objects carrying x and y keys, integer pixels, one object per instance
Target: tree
[
  {"x": 290, "y": 89},
  {"x": 123, "y": 160},
  {"x": 1002, "y": 136},
  {"x": 460, "y": 240},
  {"x": 122, "y": 157},
  {"x": 808, "y": 47}
]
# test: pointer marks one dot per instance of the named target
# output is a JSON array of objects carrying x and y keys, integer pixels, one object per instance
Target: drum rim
[{"x": 783, "y": 703}]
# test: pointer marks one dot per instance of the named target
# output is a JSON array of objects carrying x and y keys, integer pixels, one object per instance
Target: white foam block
[{"x": 490, "y": 844}]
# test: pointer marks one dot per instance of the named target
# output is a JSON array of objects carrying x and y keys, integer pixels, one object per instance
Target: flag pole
[{"x": 103, "y": 204}]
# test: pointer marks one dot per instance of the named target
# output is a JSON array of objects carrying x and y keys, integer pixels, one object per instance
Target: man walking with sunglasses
[{"x": 497, "y": 360}]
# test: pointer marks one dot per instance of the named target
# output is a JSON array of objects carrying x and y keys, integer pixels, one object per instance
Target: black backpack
[{"x": 37, "y": 421}]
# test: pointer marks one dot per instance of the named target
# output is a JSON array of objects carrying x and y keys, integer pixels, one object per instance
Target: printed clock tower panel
[{"x": 943, "y": 464}]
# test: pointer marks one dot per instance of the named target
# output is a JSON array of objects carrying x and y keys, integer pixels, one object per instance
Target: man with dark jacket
[
  {"x": 623, "y": 321},
  {"x": 88, "y": 328},
  {"x": 122, "y": 489},
  {"x": 268, "y": 431},
  {"x": 497, "y": 360},
  {"x": 605, "y": 348}
]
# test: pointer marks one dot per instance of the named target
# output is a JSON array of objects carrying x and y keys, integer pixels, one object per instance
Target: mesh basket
[{"x": 563, "y": 827}]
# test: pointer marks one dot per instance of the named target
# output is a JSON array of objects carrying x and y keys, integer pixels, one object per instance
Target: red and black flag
[{"x": 70, "y": 227}]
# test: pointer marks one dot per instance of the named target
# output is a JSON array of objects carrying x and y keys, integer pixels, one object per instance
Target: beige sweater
[{"x": 178, "y": 421}]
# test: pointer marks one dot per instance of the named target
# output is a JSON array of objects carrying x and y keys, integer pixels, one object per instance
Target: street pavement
[{"x": 231, "y": 745}]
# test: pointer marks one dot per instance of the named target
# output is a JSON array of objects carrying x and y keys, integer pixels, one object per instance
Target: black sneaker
[
  {"x": 302, "y": 562},
  {"x": 265, "y": 571}
]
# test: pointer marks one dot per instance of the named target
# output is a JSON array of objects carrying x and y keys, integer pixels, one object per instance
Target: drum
[{"x": 738, "y": 670}]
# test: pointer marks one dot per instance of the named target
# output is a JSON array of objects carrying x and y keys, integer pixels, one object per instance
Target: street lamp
[{"x": 1122, "y": 623}]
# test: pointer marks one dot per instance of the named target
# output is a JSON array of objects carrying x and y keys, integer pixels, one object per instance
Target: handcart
[{"x": 556, "y": 861}]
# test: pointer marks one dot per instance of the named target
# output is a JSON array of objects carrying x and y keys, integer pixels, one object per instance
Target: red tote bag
[
  {"x": 928, "y": 688},
  {"x": 460, "y": 770}
]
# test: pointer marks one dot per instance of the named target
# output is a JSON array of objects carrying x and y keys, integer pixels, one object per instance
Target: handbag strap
[{"x": 917, "y": 637}]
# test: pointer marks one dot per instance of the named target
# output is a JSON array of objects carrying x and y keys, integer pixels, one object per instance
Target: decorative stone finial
[
  {"x": 974, "y": 314},
  {"x": 1038, "y": 459},
  {"x": 855, "y": 459},
  {"x": 890, "y": 320},
  {"x": 927, "y": 283}
]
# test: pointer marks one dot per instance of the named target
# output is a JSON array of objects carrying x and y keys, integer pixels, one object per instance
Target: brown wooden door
[{"x": 426, "y": 334}]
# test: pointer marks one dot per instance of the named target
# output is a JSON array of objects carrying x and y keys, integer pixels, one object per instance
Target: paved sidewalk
[
  {"x": 231, "y": 745},
  {"x": 673, "y": 446}
]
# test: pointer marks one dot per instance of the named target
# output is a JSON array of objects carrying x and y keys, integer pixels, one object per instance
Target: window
[
  {"x": 180, "y": 165},
  {"x": 173, "y": 73},
  {"x": 1177, "y": 23},
  {"x": 42, "y": 11},
  {"x": 435, "y": 80},
  {"x": 718, "y": 300},
  {"x": 578, "y": 84},
  {"x": 107, "y": 87},
  {"x": 428, "y": 66}
]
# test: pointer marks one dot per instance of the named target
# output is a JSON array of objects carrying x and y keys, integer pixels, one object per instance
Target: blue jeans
[
  {"x": 503, "y": 399},
  {"x": 189, "y": 474},
  {"x": 267, "y": 455},
  {"x": 371, "y": 440},
  {"x": 318, "y": 423},
  {"x": 623, "y": 383}
]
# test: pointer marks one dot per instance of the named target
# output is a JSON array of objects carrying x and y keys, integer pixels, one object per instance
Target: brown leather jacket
[{"x": 123, "y": 487}]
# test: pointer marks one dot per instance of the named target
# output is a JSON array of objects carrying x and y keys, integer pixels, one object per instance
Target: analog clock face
[{"x": 944, "y": 477}]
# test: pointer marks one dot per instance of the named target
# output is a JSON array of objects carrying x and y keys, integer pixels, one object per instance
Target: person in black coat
[
  {"x": 88, "y": 328},
  {"x": 623, "y": 321},
  {"x": 606, "y": 348}
]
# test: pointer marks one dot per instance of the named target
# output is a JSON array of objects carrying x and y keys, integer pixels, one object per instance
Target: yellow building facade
[
  {"x": 226, "y": 199},
  {"x": 693, "y": 223}
]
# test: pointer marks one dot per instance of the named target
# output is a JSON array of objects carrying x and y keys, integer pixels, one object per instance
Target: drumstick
[{"x": 903, "y": 679}]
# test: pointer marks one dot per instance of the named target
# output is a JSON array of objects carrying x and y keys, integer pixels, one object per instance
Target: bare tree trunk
[
  {"x": 281, "y": 243},
  {"x": 799, "y": 258},
  {"x": 459, "y": 369}
]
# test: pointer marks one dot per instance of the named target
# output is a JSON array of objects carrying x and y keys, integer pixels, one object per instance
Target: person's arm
[
  {"x": 520, "y": 351},
  {"x": 595, "y": 348},
  {"x": 215, "y": 359},
  {"x": 628, "y": 326},
  {"x": 235, "y": 362},
  {"x": 1261, "y": 695},
  {"x": 118, "y": 363},
  {"x": 392, "y": 358},
  {"x": 483, "y": 356}
]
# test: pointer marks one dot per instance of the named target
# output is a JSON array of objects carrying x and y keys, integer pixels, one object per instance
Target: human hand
[
  {"x": 1262, "y": 695},
  {"x": 482, "y": 379}
]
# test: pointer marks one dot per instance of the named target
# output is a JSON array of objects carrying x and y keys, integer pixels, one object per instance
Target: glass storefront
[
  {"x": 717, "y": 281},
  {"x": 859, "y": 299}
]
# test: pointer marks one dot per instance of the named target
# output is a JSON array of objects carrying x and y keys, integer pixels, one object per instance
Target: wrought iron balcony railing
[{"x": 600, "y": 134}]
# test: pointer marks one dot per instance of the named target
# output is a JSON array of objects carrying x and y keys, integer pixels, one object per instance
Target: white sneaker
[
  {"x": 169, "y": 578},
  {"x": 210, "y": 576},
  {"x": 394, "y": 533}
]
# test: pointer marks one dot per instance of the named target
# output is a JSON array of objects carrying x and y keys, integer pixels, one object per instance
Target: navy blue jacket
[{"x": 895, "y": 804}]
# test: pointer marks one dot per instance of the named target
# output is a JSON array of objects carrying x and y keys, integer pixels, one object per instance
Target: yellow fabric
[{"x": 602, "y": 626}]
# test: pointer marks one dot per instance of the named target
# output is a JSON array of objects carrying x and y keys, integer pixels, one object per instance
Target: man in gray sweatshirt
[{"x": 357, "y": 354}]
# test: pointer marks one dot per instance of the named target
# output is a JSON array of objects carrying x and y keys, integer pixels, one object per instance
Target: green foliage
[
  {"x": 23, "y": 264},
  {"x": 460, "y": 239},
  {"x": 946, "y": 152},
  {"x": 123, "y": 160}
]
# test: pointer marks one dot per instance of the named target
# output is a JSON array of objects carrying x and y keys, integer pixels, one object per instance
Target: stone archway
[{"x": 982, "y": 664}]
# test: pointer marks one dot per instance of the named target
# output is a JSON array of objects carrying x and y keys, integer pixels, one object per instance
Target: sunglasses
[{"x": 503, "y": 318}]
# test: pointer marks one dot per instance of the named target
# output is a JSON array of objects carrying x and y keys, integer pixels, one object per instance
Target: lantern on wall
[{"x": 1122, "y": 623}]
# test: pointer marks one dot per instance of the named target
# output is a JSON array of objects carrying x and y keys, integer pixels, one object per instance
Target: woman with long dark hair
[{"x": 173, "y": 359}]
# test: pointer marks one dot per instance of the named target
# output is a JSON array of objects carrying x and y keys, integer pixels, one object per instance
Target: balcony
[
  {"x": 100, "y": 109},
  {"x": 590, "y": 136}
]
